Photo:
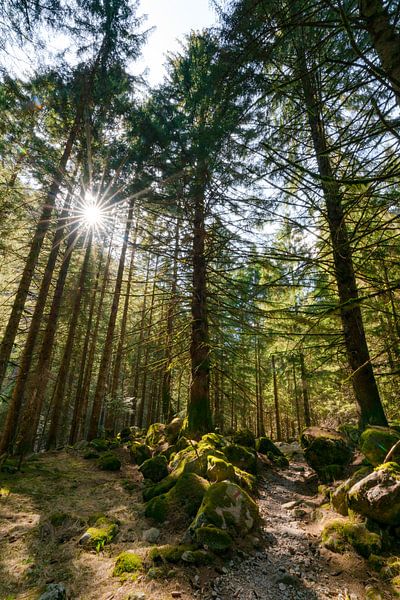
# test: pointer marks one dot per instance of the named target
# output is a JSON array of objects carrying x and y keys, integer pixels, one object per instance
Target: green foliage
[{"x": 127, "y": 562}]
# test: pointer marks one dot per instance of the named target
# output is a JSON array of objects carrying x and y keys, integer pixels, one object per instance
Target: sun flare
[{"x": 92, "y": 213}]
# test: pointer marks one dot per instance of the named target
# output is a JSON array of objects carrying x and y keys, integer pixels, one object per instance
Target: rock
[
  {"x": 265, "y": 445},
  {"x": 101, "y": 534},
  {"x": 214, "y": 538},
  {"x": 137, "y": 596},
  {"x": 127, "y": 562},
  {"x": 339, "y": 534},
  {"x": 377, "y": 496},
  {"x": 245, "y": 480},
  {"x": 169, "y": 553},
  {"x": 219, "y": 470},
  {"x": 241, "y": 457},
  {"x": 151, "y": 535},
  {"x": 154, "y": 468},
  {"x": 244, "y": 437},
  {"x": 326, "y": 451},
  {"x": 197, "y": 557},
  {"x": 291, "y": 505},
  {"x": 339, "y": 496},
  {"x": 375, "y": 443},
  {"x": 54, "y": 591},
  {"x": 173, "y": 429},
  {"x": 100, "y": 444},
  {"x": 180, "y": 502},
  {"x": 139, "y": 452},
  {"x": 226, "y": 506},
  {"x": 213, "y": 440},
  {"x": 155, "y": 434},
  {"x": 109, "y": 462}
]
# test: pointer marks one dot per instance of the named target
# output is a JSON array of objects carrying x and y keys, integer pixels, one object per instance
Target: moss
[
  {"x": 245, "y": 480},
  {"x": 102, "y": 533},
  {"x": 280, "y": 461},
  {"x": 164, "y": 486},
  {"x": 99, "y": 444},
  {"x": 264, "y": 446},
  {"x": 339, "y": 496},
  {"x": 244, "y": 437},
  {"x": 392, "y": 468},
  {"x": 226, "y": 506},
  {"x": 391, "y": 568},
  {"x": 163, "y": 572},
  {"x": 375, "y": 443},
  {"x": 109, "y": 462},
  {"x": 330, "y": 473},
  {"x": 181, "y": 444},
  {"x": 155, "y": 433},
  {"x": 169, "y": 553},
  {"x": 352, "y": 432},
  {"x": 214, "y": 440},
  {"x": 326, "y": 451},
  {"x": 127, "y": 562},
  {"x": 91, "y": 454},
  {"x": 376, "y": 562},
  {"x": 213, "y": 538},
  {"x": 181, "y": 502},
  {"x": 139, "y": 452},
  {"x": 218, "y": 469},
  {"x": 338, "y": 535},
  {"x": 241, "y": 457},
  {"x": 173, "y": 429},
  {"x": 154, "y": 468}
]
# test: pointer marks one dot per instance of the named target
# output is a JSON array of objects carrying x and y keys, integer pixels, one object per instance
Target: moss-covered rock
[
  {"x": 265, "y": 446},
  {"x": 90, "y": 454},
  {"x": 219, "y": 470},
  {"x": 154, "y": 468},
  {"x": 377, "y": 496},
  {"x": 352, "y": 432},
  {"x": 244, "y": 437},
  {"x": 326, "y": 451},
  {"x": 127, "y": 562},
  {"x": 99, "y": 444},
  {"x": 338, "y": 535},
  {"x": 139, "y": 452},
  {"x": 391, "y": 568},
  {"x": 181, "y": 502},
  {"x": 375, "y": 443},
  {"x": 100, "y": 534},
  {"x": 214, "y": 538},
  {"x": 169, "y": 553},
  {"x": 173, "y": 429},
  {"x": 245, "y": 480},
  {"x": 155, "y": 434},
  {"x": 213, "y": 440},
  {"x": 151, "y": 491},
  {"x": 228, "y": 507},
  {"x": 339, "y": 496},
  {"x": 241, "y": 457},
  {"x": 198, "y": 557},
  {"x": 109, "y": 462}
]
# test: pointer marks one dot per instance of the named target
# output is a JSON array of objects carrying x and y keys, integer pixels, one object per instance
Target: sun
[
  {"x": 92, "y": 215},
  {"x": 91, "y": 212}
]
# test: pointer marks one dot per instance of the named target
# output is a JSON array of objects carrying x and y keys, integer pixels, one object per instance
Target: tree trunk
[
  {"x": 296, "y": 398},
  {"x": 199, "y": 411},
  {"x": 276, "y": 401},
  {"x": 12, "y": 419},
  {"x": 385, "y": 39},
  {"x": 32, "y": 258},
  {"x": 108, "y": 344},
  {"x": 67, "y": 355},
  {"x": 364, "y": 384},
  {"x": 304, "y": 388}
]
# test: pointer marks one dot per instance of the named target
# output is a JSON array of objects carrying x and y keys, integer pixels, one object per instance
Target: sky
[{"x": 172, "y": 19}]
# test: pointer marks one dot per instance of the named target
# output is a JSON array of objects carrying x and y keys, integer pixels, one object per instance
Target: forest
[{"x": 199, "y": 287}]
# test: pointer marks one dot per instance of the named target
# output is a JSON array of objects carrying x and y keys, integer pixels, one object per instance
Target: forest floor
[{"x": 37, "y": 547}]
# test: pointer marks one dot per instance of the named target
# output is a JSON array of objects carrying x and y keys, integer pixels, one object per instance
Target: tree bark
[
  {"x": 67, "y": 355},
  {"x": 101, "y": 386},
  {"x": 304, "y": 388},
  {"x": 199, "y": 411},
  {"x": 276, "y": 401},
  {"x": 364, "y": 384}
]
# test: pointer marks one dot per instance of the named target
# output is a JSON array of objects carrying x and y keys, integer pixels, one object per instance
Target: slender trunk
[
  {"x": 199, "y": 412},
  {"x": 296, "y": 398},
  {"x": 31, "y": 261},
  {"x": 166, "y": 383},
  {"x": 261, "y": 429},
  {"x": 107, "y": 351},
  {"x": 136, "y": 374},
  {"x": 276, "y": 401},
  {"x": 110, "y": 420},
  {"x": 304, "y": 388},
  {"x": 385, "y": 39},
  {"x": 147, "y": 352},
  {"x": 364, "y": 384},
  {"x": 67, "y": 355},
  {"x": 73, "y": 434},
  {"x": 12, "y": 419},
  {"x": 38, "y": 384}
]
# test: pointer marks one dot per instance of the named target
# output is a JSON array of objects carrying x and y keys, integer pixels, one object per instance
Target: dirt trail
[{"x": 288, "y": 563}]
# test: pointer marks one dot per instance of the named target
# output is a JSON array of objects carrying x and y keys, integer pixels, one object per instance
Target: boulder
[
  {"x": 154, "y": 468},
  {"x": 226, "y": 506},
  {"x": 139, "y": 452},
  {"x": 109, "y": 462},
  {"x": 173, "y": 429},
  {"x": 339, "y": 496},
  {"x": 181, "y": 502},
  {"x": 377, "y": 496},
  {"x": 54, "y": 591},
  {"x": 219, "y": 470},
  {"x": 151, "y": 535},
  {"x": 102, "y": 533},
  {"x": 264, "y": 446},
  {"x": 241, "y": 457},
  {"x": 100, "y": 444},
  {"x": 213, "y": 538},
  {"x": 244, "y": 437},
  {"x": 155, "y": 434},
  {"x": 338, "y": 535},
  {"x": 326, "y": 451},
  {"x": 375, "y": 443}
]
